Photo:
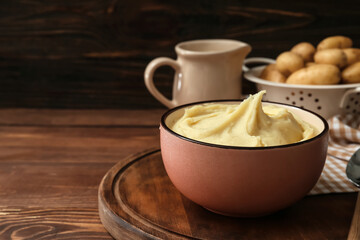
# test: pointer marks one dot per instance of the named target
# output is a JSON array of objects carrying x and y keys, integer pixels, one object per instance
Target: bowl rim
[
  {"x": 252, "y": 77},
  {"x": 169, "y": 111}
]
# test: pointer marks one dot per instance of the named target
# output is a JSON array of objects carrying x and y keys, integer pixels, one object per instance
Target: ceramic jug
[{"x": 204, "y": 70}]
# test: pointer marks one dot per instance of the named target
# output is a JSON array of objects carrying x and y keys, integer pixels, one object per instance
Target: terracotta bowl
[{"x": 243, "y": 181}]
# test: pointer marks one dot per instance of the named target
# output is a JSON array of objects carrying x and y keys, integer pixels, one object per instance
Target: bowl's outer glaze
[{"x": 243, "y": 181}]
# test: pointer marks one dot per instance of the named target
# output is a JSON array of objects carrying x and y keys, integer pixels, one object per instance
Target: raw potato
[
  {"x": 335, "y": 42},
  {"x": 352, "y": 55},
  {"x": 351, "y": 74},
  {"x": 334, "y": 56},
  {"x": 305, "y": 50},
  {"x": 289, "y": 62},
  {"x": 333, "y": 61},
  {"x": 270, "y": 73},
  {"x": 308, "y": 64},
  {"x": 318, "y": 74}
]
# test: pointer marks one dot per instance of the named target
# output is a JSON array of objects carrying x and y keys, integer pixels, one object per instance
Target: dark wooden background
[{"x": 92, "y": 53}]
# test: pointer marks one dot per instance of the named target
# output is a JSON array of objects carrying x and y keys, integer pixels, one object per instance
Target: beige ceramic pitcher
[{"x": 204, "y": 70}]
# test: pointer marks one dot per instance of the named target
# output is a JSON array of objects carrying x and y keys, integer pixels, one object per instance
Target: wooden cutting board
[{"x": 138, "y": 201}]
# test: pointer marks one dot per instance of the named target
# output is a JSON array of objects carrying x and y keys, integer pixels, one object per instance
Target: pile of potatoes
[{"x": 333, "y": 61}]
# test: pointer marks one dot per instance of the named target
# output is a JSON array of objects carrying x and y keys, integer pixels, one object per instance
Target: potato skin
[
  {"x": 317, "y": 74},
  {"x": 335, "y": 42},
  {"x": 352, "y": 55},
  {"x": 351, "y": 74},
  {"x": 289, "y": 62},
  {"x": 308, "y": 64},
  {"x": 270, "y": 73},
  {"x": 305, "y": 50},
  {"x": 332, "y": 56}
]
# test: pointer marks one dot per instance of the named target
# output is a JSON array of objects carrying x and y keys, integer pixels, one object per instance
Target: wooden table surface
[{"x": 52, "y": 161}]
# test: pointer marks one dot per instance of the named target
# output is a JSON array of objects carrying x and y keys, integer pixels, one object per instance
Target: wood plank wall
[{"x": 92, "y": 53}]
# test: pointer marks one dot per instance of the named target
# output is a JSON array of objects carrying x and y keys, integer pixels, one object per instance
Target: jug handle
[
  {"x": 149, "y": 78},
  {"x": 256, "y": 60},
  {"x": 345, "y": 99}
]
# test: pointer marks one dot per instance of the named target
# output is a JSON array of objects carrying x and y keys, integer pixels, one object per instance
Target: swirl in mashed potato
[{"x": 248, "y": 124}]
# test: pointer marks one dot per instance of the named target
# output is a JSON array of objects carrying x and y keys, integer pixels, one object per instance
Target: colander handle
[
  {"x": 256, "y": 60},
  {"x": 345, "y": 99}
]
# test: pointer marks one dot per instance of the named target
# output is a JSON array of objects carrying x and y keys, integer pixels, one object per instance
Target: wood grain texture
[
  {"x": 68, "y": 163},
  {"x": 92, "y": 53},
  {"x": 138, "y": 201},
  {"x": 354, "y": 232},
  {"x": 51, "y": 223},
  {"x": 52, "y": 162},
  {"x": 105, "y": 118}
]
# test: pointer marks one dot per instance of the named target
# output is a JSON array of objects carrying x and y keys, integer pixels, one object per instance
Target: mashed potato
[{"x": 248, "y": 124}]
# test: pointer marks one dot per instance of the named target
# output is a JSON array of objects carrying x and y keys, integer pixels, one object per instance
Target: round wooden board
[{"x": 138, "y": 201}]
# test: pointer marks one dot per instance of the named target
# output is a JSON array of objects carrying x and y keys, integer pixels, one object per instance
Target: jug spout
[
  {"x": 246, "y": 49},
  {"x": 243, "y": 49}
]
